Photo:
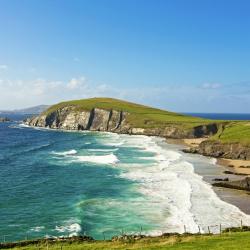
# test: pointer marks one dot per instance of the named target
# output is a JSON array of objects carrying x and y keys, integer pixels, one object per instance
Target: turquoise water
[
  {"x": 55, "y": 183},
  {"x": 46, "y": 190}
]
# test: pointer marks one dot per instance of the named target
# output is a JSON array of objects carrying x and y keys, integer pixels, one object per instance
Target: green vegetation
[
  {"x": 140, "y": 115},
  {"x": 147, "y": 117},
  {"x": 225, "y": 241},
  {"x": 234, "y": 132}
]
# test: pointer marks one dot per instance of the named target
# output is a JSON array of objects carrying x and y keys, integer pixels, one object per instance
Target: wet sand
[{"x": 237, "y": 166}]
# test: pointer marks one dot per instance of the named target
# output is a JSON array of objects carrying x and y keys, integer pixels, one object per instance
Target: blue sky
[{"x": 179, "y": 55}]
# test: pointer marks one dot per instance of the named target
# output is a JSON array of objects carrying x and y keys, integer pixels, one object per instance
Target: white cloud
[
  {"x": 20, "y": 93},
  {"x": 173, "y": 97},
  {"x": 75, "y": 83},
  {"x": 3, "y": 67},
  {"x": 211, "y": 85}
]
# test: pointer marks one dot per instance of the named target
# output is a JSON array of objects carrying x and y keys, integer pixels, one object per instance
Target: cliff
[
  {"x": 226, "y": 139},
  {"x": 106, "y": 114},
  {"x": 218, "y": 149}
]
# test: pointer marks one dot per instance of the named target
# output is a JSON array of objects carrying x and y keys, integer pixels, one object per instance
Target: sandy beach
[{"x": 237, "y": 166}]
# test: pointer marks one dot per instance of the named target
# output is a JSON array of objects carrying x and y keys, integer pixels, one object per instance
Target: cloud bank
[{"x": 207, "y": 97}]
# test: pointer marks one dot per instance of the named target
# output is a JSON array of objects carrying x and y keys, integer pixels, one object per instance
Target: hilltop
[{"x": 107, "y": 114}]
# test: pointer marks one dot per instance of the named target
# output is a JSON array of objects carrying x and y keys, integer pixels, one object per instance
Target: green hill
[
  {"x": 140, "y": 115},
  {"x": 153, "y": 121}
]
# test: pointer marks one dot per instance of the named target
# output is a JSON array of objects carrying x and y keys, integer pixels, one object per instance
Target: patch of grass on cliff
[
  {"x": 232, "y": 241},
  {"x": 140, "y": 115},
  {"x": 235, "y": 132}
]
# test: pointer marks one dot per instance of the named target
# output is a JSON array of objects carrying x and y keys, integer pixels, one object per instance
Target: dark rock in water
[
  {"x": 243, "y": 184},
  {"x": 230, "y": 172},
  {"x": 221, "y": 179},
  {"x": 4, "y": 119}
]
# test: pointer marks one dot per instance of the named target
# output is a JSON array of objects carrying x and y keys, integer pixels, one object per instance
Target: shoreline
[
  {"x": 241, "y": 167},
  {"x": 230, "y": 195},
  {"x": 183, "y": 168},
  {"x": 238, "y": 166},
  {"x": 235, "y": 165}
]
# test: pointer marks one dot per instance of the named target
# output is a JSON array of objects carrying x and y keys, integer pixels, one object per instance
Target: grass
[
  {"x": 234, "y": 132},
  {"x": 225, "y": 241}
]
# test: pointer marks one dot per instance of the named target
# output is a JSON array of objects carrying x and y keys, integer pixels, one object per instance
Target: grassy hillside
[
  {"x": 232, "y": 241},
  {"x": 148, "y": 117},
  {"x": 140, "y": 115},
  {"x": 234, "y": 132}
]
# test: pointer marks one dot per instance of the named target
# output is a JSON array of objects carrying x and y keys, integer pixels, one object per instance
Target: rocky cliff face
[
  {"x": 69, "y": 118},
  {"x": 222, "y": 150}
]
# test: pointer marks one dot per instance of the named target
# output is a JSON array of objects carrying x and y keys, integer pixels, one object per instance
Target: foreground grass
[{"x": 232, "y": 241}]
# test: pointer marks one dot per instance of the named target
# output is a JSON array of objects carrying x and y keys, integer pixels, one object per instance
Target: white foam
[
  {"x": 99, "y": 159},
  {"x": 72, "y": 228},
  {"x": 172, "y": 185},
  {"x": 114, "y": 144},
  {"x": 103, "y": 150},
  {"x": 37, "y": 229},
  {"x": 70, "y": 152},
  {"x": 213, "y": 161}
]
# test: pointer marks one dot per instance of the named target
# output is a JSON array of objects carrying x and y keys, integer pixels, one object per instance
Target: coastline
[
  {"x": 237, "y": 166},
  {"x": 239, "y": 198}
]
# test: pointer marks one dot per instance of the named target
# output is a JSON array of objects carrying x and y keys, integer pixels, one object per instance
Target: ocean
[
  {"x": 58, "y": 183},
  {"x": 222, "y": 116}
]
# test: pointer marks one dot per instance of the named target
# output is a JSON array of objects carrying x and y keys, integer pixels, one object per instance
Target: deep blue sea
[
  {"x": 57, "y": 183},
  {"x": 221, "y": 116}
]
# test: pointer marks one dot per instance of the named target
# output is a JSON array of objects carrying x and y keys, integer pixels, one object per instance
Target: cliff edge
[{"x": 112, "y": 115}]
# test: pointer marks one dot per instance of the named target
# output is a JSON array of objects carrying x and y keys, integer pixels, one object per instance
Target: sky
[{"x": 184, "y": 56}]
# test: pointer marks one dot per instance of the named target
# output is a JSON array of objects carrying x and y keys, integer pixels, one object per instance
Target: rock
[
  {"x": 230, "y": 172},
  {"x": 97, "y": 119},
  {"x": 4, "y": 119},
  {"x": 224, "y": 150},
  {"x": 220, "y": 179},
  {"x": 243, "y": 184}
]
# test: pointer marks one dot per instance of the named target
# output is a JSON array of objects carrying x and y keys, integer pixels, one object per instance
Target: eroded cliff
[
  {"x": 97, "y": 119},
  {"x": 218, "y": 149}
]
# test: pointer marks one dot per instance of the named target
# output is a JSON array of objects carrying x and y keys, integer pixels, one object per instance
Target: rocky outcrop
[
  {"x": 70, "y": 118},
  {"x": 243, "y": 184},
  {"x": 4, "y": 119},
  {"x": 224, "y": 150}
]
